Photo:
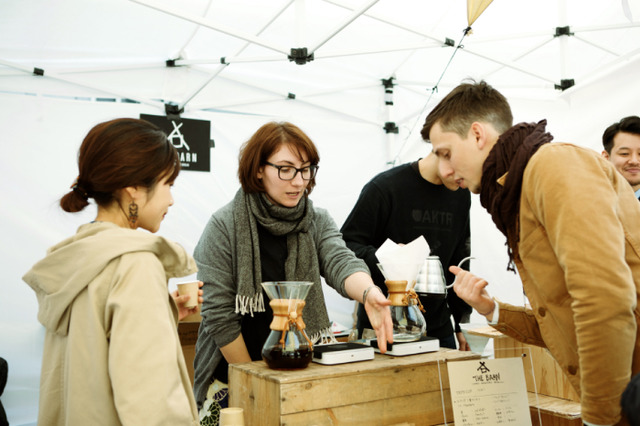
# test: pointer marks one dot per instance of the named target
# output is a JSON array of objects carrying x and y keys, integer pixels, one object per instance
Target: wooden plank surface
[
  {"x": 419, "y": 409},
  {"x": 386, "y": 390},
  {"x": 486, "y": 331},
  {"x": 555, "y": 406},
  {"x": 375, "y": 385},
  {"x": 316, "y": 371}
]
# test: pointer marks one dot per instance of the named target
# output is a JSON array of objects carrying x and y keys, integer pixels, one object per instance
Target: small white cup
[
  {"x": 232, "y": 416},
  {"x": 191, "y": 288}
]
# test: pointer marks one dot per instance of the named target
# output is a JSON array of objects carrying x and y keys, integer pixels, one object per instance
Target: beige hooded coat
[{"x": 111, "y": 353}]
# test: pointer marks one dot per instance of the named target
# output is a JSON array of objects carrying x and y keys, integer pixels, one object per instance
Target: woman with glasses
[{"x": 270, "y": 231}]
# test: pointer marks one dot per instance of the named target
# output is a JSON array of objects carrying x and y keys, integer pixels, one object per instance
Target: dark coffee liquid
[
  {"x": 436, "y": 295},
  {"x": 276, "y": 358}
]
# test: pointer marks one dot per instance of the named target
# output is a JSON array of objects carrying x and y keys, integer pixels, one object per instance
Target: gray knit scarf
[{"x": 301, "y": 263}]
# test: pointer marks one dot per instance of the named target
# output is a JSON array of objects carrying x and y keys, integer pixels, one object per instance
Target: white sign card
[{"x": 489, "y": 392}]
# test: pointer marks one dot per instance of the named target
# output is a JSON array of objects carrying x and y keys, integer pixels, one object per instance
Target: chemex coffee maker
[
  {"x": 408, "y": 322},
  {"x": 430, "y": 280},
  {"x": 409, "y": 271},
  {"x": 287, "y": 346}
]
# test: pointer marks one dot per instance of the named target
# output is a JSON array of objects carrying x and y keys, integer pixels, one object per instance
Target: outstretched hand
[
  {"x": 183, "y": 311},
  {"x": 377, "y": 308},
  {"x": 463, "y": 345},
  {"x": 472, "y": 290}
]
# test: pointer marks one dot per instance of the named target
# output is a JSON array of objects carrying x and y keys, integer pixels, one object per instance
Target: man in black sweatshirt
[{"x": 401, "y": 204}]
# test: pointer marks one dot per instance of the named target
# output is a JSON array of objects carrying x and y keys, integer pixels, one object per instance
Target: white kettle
[{"x": 430, "y": 280}]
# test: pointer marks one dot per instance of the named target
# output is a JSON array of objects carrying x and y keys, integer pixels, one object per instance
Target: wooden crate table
[
  {"x": 384, "y": 391},
  {"x": 188, "y": 334}
]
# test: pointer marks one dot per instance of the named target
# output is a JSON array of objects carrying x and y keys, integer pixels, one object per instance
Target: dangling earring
[{"x": 133, "y": 214}]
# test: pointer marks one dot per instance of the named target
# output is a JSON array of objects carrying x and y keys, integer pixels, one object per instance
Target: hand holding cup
[{"x": 188, "y": 297}]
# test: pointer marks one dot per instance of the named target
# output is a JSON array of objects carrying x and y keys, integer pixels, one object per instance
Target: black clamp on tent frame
[
  {"x": 388, "y": 90},
  {"x": 388, "y": 83},
  {"x": 563, "y": 31},
  {"x": 449, "y": 42},
  {"x": 38, "y": 71},
  {"x": 300, "y": 56},
  {"x": 390, "y": 127},
  {"x": 172, "y": 111},
  {"x": 565, "y": 84},
  {"x": 291, "y": 95},
  {"x": 170, "y": 63}
]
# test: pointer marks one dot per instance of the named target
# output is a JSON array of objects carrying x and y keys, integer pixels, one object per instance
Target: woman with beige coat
[{"x": 111, "y": 352}]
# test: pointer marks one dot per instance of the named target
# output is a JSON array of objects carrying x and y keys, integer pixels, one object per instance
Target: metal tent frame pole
[
  {"x": 222, "y": 67},
  {"x": 343, "y": 24},
  {"x": 327, "y": 55},
  {"x": 56, "y": 76},
  {"x": 279, "y": 96},
  {"x": 221, "y": 28}
]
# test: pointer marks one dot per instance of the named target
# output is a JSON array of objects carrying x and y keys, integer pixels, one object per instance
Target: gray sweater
[{"x": 221, "y": 324}]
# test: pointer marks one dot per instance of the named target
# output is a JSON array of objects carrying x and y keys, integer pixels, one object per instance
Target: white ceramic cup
[
  {"x": 232, "y": 416},
  {"x": 191, "y": 288}
]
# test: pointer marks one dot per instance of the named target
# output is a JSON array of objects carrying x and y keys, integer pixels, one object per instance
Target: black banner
[{"x": 190, "y": 137}]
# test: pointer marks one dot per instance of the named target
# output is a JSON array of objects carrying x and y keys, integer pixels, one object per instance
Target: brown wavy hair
[
  {"x": 117, "y": 154},
  {"x": 264, "y": 142},
  {"x": 467, "y": 103}
]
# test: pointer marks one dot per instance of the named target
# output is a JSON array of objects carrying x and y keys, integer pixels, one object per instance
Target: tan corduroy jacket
[
  {"x": 579, "y": 261},
  {"x": 111, "y": 352}
]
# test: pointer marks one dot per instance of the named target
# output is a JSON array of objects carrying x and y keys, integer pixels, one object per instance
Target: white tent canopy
[
  {"x": 66, "y": 65},
  {"x": 236, "y": 56}
]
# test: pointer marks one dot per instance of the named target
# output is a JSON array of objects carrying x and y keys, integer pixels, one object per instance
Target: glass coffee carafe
[
  {"x": 287, "y": 346},
  {"x": 406, "y": 310}
]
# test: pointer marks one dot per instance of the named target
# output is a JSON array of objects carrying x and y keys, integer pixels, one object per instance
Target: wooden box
[
  {"x": 188, "y": 334},
  {"x": 384, "y": 391}
]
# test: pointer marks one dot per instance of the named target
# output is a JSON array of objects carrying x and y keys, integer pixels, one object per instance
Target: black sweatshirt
[{"x": 401, "y": 205}]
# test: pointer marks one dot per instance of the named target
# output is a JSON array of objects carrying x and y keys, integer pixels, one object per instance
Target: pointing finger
[{"x": 455, "y": 270}]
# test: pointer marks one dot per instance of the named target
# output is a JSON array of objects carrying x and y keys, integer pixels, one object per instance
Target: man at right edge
[{"x": 572, "y": 227}]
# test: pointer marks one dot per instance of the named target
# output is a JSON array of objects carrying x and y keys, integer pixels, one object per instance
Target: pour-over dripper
[
  {"x": 287, "y": 346},
  {"x": 408, "y": 322},
  {"x": 400, "y": 271}
]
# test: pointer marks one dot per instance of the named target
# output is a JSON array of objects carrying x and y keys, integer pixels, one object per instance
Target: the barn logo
[{"x": 190, "y": 137}]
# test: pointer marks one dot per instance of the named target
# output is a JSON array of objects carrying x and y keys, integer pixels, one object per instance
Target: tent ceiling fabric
[{"x": 233, "y": 55}]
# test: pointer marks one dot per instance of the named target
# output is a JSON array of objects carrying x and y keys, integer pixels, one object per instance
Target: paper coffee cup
[
  {"x": 232, "y": 416},
  {"x": 191, "y": 288}
]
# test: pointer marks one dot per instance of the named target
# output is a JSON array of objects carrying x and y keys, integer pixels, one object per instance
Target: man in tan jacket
[{"x": 582, "y": 280}]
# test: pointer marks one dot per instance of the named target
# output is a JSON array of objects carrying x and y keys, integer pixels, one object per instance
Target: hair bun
[
  {"x": 80, "y": 192},
  {"x": 76, "y": 199}
]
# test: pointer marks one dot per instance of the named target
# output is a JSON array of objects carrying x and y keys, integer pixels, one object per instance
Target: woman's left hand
[
  {"x": 183, "y": 311},
  {"x": 377, "y": 307}
]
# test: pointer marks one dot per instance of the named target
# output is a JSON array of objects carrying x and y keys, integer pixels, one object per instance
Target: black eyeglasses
[{"x": 290, "y": 172}]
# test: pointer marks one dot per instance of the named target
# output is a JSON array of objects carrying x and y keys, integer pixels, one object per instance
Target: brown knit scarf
[{"x": 510, "y": 155}]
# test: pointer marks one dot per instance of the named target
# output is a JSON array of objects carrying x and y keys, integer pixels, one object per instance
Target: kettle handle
[{"x": 460, "y": 266}]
